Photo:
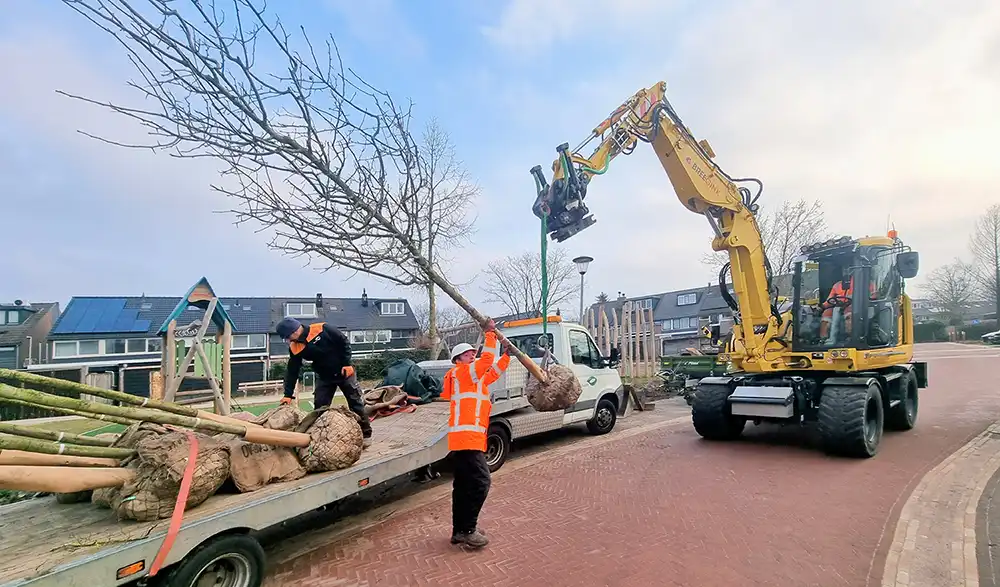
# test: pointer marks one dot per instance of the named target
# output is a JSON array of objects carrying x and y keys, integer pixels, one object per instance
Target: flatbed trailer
[{"x": 47, "y": 544}]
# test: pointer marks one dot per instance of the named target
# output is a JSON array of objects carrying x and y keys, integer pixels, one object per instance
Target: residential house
[
  {"x": 113, "y": 342},
  {"x": 23, "y": 331},
  {"x": 372, "y": 325}
]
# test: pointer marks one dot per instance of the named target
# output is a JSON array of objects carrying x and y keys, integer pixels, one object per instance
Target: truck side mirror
[
  {"x": 908, "y": 263},
  {"x": 615, "y": 357}
]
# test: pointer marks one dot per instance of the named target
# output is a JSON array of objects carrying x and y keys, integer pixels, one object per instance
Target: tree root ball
[
  {"x": 558, "y": 393},
  {"x": 336, "y": 441}
]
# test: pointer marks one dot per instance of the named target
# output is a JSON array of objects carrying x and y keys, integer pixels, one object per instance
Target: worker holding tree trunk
[
  {"x": 330, "y": 353},
  {"x": 466, "y": 386}
]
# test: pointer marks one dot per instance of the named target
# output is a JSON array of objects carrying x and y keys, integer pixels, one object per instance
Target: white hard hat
[{"x": 462, "y": 347}]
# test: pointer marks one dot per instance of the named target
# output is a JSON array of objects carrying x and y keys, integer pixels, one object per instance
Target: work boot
[
  {"x": 366, "y": 442},
  {"x": 475, "y": 539}
]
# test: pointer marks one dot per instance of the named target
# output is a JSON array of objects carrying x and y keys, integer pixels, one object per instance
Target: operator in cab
[
  {"x": 466, "y": 386},
  {"x": 841, "y": 297},
  {"x": 330, "y": 353}
]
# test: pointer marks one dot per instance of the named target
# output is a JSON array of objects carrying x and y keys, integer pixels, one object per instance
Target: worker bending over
[
  {"x": 466, "y": 385},
  {"x": 330, "y": 353}
]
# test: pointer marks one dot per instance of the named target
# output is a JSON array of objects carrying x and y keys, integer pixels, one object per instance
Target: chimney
[
  {"x": 621, "y": 296},
  {"x": 364, "y": 298},
  {"x": 319, "y": 301}
]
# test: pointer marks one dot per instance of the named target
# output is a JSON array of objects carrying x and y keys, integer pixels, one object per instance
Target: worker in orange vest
[
  {"x": 841, "y": 290},
  {"x": 466, "y": 386}
]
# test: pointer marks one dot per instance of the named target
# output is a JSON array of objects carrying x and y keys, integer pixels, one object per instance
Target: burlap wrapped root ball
[
  {"x": 108, "y": 496},
  {"x": 558, "y": 393},
  {"x": 159, "y": 470},
  {"x": 280, "y": 418},
  {"x": 336, "y": 441}
]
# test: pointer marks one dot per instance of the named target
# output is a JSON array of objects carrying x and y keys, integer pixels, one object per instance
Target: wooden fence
[{"x": 632, "y": 331}]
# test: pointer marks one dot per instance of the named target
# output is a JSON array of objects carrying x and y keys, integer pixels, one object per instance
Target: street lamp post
[{"x": 582, "y": 263}]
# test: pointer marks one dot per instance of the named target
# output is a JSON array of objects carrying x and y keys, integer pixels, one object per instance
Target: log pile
[{"x": 138, "y": 474}]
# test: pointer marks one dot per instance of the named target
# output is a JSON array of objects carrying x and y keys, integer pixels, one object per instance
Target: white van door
[{"x": 594, "y": 378}]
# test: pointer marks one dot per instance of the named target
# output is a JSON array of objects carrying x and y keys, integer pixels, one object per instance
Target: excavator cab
[{"x": 848, "y": 293}]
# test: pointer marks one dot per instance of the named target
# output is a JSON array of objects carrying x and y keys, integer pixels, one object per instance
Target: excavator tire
[
  {"x": 903, "y": 416},
  {"x": 711, "y": 416},
  {"x": 851, "y": 419}
]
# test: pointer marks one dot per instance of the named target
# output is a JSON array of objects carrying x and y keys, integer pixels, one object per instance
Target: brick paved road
[{"x": 665, "y": 508}]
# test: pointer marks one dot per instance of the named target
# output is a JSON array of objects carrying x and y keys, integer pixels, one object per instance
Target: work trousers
[
  {"x": 469, "y": 489},
  {"x": 323, "y": 396}
]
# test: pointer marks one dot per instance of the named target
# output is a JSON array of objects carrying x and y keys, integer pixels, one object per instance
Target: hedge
[{"x": 930, "y": 332}]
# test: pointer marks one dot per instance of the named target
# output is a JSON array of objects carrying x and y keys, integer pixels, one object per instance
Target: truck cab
[{"x": 601, "y": 401}]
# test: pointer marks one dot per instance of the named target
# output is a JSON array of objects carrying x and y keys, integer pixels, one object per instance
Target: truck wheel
[
  {"x": 711, "y": 415},
  {"x": 904, "y": 415},
  {"x": 604, "y": 418},
  {"x": 233, "y": 560},
  {"x": 851, "y": 420},
  {"x": 497, "y": 446}
]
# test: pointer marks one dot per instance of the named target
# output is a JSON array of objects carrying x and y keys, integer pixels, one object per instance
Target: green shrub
[{"x": 930, "y": 332}]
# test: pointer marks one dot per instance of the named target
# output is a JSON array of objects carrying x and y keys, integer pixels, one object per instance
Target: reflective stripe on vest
[{"x": 457, "y": 397}]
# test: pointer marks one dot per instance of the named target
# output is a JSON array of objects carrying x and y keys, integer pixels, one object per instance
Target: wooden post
[
  {"x": 169, "y": 361},
  {"x": 227, "y": 372},
  {"x": 156, "y": 385}
]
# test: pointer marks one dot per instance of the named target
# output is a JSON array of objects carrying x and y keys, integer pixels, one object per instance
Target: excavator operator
[{"x": 840, "y": 298}]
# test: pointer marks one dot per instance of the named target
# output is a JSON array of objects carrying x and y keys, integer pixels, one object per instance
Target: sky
[{"x": 885, "y": 111}]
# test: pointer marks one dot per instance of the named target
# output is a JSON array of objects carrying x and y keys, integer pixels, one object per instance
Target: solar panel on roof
[
  {"x": 108, "y": 315},
  {"x": 74, "y": 313}
]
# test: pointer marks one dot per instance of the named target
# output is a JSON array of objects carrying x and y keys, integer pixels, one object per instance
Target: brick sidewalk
[{"x": 935, "y": 539}]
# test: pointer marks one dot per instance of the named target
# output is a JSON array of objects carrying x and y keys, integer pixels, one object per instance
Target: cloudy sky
[{"x": 884, "y": 110}]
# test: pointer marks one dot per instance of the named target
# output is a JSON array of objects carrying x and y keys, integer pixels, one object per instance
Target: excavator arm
[{"x": 701, "y": 186}]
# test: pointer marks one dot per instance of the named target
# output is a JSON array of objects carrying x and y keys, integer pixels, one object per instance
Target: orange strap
[{"x": 178, "y": 515}]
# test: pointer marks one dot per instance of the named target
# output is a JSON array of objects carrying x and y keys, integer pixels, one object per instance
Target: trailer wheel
[
  {"x": 497, "y": 446},
  {"x": 851, "y": 419},
  {"x": 605, "y": 417},
  {"x": 233, "y": 560},
  {"x": 904, "y": 415},
  {"x": 711, "y": 415}
]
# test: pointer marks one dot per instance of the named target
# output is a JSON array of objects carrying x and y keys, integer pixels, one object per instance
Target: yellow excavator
[{"x": 836, "y": 348}]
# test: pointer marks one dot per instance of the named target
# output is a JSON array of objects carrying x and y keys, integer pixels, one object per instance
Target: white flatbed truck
[{"x": 47, "y": 544}]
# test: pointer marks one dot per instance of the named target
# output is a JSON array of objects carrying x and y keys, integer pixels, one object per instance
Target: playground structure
[
  {"x": 630, "y": 330},
  {"x": 182, "y": 343}
]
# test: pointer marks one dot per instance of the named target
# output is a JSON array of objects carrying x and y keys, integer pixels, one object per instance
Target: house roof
[
  {"x": 140, "y": 316},
  {"x": 144, "y": 315},
  {"x": 10, "y": 334},
  {"x": 665, "y": 307}
]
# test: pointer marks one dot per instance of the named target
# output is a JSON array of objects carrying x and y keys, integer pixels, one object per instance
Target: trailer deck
[{"x": 44, "y": 543}]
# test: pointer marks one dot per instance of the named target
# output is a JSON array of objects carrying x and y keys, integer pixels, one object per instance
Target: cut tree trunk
[
  {"x": 20, "y": 457},
  {"x": 62, "y": 479},
  {"x": 64, "y": 437},
  {"x": 55, "y": 448}
]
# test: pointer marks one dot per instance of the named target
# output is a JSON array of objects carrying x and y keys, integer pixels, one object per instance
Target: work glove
[
  {"x": 505, "y": 347},
  {"x": 286, "y": 401},
  {"x": 347, "y": 371},
  {"x": 490, "y": 325}
]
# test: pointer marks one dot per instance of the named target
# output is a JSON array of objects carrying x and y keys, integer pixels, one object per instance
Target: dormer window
[
  {"x": 393, "y": 308},
  {"x": 687, "y": 299},
  {"x": 300, "y": 310}
]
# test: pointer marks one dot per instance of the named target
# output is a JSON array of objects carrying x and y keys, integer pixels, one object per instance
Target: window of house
[
  {"x": 687, "y": 299},
  {"x": 400, "y": 333},
  {"x": 383, "y": 336},
  {"x": 76, "y": 348},
  {"x": 249, "y": 341},
  {"x": 154, "y": 345},
  {"x": 135, "y": 345},
  {"x": 370, "y": 336},
  {"x": 114, "y": 346},
  {"x": 301, "y": 310},
  {"x": 146, "y": 306},
  {"x": 393, "y": 308},
  {"x": 645, "y": 304}
]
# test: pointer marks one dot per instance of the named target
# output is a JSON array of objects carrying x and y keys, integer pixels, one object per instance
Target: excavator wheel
[
  {"x": 851, "y": 419},
  {"x": 903, "y": 416},
  {"x": 711, "y": 415}
]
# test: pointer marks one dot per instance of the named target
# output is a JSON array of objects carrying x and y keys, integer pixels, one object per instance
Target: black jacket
[{"x": 328, "y": 350}]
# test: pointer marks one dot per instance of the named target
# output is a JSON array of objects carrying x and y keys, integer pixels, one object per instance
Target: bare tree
[
  {"x": 447, "y": 317},
  {"x": 952, "y": 287},
  {"x": 515, "y": 281},
  {"x": 445, "y": 208},
  {"x": 310, "y": 152},
  {"x": 784, "y": 230},
  {"x": 985, "y": 245}
]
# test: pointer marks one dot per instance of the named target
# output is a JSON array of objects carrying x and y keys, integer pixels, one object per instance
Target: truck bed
[{"x": 81, "y": 545}]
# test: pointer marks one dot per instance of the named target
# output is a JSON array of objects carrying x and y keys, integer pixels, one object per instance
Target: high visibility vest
[{"x": 467, "y": 387}]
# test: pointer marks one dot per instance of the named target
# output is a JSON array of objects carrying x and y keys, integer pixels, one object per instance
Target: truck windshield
[{"x": 528, "y": 343}]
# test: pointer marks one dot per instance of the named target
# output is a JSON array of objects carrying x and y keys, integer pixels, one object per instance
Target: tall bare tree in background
[
  {"x": 309, "y": 150},
  {"x": 515, "y": 281},
  {"x": 952, "y": 288},
  {"x": 985, "y": 245},
  {"x": 446, "y": 211},
  {"x": 784, "y": 230}
]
